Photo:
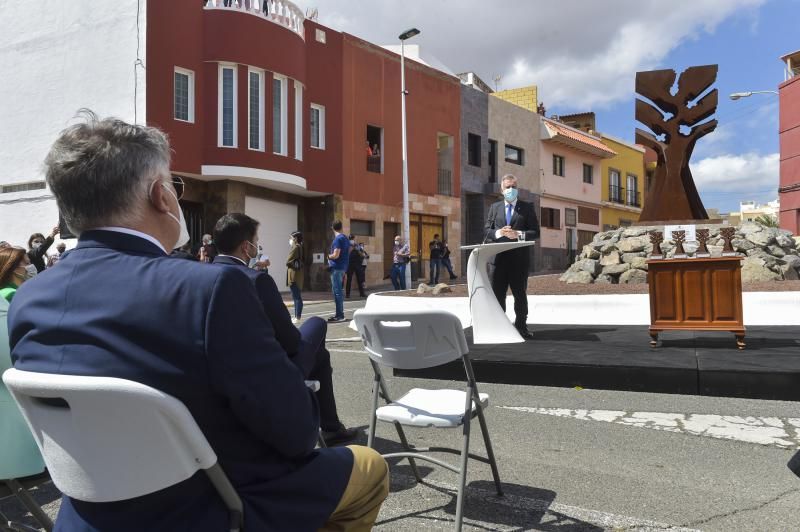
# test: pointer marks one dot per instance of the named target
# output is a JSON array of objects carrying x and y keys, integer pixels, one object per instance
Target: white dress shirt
[
  {"x": 133, "y": 232},
  {"x": 498, "y": 234}
]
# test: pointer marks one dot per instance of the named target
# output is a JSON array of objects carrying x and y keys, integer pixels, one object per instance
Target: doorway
[{"x": 423, "y": 227}]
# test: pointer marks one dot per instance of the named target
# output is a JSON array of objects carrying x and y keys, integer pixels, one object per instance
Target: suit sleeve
[
  {"x": 532, "y": 224},
  {"x": 285, "y": 331},
  {"x": 294, "y": 253},
  {"x": 490, "y": 229},
  {"x": 250, "y": 369}
]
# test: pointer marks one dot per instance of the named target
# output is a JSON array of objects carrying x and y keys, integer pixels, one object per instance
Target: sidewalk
[{"x": 316, "y": 297}]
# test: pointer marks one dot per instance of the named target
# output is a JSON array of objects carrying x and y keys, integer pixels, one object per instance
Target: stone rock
[
  {"x": 610, "y": 259},
  {"x": 793, "y": 261},
  {"x": 715, "y": 251},
  {"x": 633, "y": 276},
  {"x": 630, "y": 245},
  {"x": 441, "y": 288},
  {"x": 762, "y": 238},
  {"x": 633, "y": 231},
  {"x": 582, "y": 277},
  {"x": 608, "y": 247},
  {"x": 785, "y": 240},
  {"x": 768, "y": 259},
  {"x": 640, "y": 263},
  {"x": 749, "y": 228},
  {"x": 616, "y": 269},
  {"x": 423, "y": 288},
  {"x": 628, "y": 257},
  {"x": 741, "y": 244},
  {"x": 690, "y": 247},
  {"x": 754, "y": 270},
  {"x": 589, "y": 265},
  {"x": 597, "y": 244},
  {"x": 789, "y": 273},
  {"x": 606, "y": 235},
  {"x": 604, "y": 279},
  {"x": 590, "y": 253},
  {"x": 775, "y": 251}
]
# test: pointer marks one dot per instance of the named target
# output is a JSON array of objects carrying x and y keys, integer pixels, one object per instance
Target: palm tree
[{"x": 766, "y": 220}]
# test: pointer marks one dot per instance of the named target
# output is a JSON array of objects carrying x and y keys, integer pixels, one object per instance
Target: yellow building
[
  {"x": 525, "y": 97},
  {"x": 623, "y": 184}
]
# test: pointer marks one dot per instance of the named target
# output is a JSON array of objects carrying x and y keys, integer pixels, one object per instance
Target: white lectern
[{"x": 490, "y": 325}]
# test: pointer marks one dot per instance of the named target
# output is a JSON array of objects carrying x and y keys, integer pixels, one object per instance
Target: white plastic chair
[
  {"x": 424, "y": 339},
  {"x": 106, "y": 439}
]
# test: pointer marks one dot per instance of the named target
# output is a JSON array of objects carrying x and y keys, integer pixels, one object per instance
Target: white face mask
[
  {"x": 291, "y": 242},
  {"x": 183, "y": 237},
  {"x": 31, "y": 271}
]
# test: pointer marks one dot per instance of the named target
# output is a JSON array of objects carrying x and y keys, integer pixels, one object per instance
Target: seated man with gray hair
[{"x": 117, "y": 306}]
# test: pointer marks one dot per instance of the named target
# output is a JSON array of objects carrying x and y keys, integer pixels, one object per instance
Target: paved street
[{"x": 586, "y": 460}]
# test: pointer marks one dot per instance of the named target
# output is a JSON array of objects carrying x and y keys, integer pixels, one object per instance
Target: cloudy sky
[{"x": 583, "y": 55}]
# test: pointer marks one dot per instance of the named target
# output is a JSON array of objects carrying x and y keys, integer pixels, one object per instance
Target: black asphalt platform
[{"x": 620, "y": 358}]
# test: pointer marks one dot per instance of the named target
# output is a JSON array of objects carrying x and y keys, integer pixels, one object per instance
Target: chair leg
[
  {"x": 376, "y": 382},
  {"x": 462, "y": 475},
  {"x": 488, "y": 443},
  {"x": 402, "y": 435},
  {"x": 30, "y": 504}
]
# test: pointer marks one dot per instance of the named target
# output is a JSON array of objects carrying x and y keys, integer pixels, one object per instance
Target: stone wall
[{"x": 620, "y": 256}]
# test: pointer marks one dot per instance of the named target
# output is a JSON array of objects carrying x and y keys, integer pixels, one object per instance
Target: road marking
[
  {"x": 361, "y": 352},
  {"x": 770, "y": 431},
  {"x": 554, "y": 513}
]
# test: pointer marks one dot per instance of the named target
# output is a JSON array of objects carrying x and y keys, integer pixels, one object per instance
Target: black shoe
[
  {"x": 525, "y": 333},
  {"x": 334, "y": 319},
  {"x": 343, "y": 434},
  {"x": 453, "y": 277}
]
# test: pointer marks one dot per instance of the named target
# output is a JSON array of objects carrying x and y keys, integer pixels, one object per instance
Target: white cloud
[
  {"x": 738, "y": 175},
  {"x": 581, "y": 54}
]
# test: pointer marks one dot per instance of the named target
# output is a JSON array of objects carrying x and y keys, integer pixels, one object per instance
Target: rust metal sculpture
[
  {"x": 677, "y": 127},
  {"x": 703, "y": 236},
  {"x": 656, "y": 238}
]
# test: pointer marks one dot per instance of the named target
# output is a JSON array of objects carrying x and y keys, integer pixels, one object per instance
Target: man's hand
[
  {"x": 55, "y": 231},
  {"x": 508, "y": 232}
]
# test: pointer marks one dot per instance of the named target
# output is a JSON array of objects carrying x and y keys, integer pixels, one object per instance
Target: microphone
[{"x": 489, "y": 220}]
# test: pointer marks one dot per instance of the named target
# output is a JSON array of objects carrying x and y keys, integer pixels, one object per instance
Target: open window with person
[{"x": 374, "y": 149}]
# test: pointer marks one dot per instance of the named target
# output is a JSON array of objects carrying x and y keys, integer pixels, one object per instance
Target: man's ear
[{"x": 159, "y": 198}]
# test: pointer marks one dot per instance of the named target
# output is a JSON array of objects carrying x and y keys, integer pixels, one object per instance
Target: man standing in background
[{"x": 338, "y": 260}]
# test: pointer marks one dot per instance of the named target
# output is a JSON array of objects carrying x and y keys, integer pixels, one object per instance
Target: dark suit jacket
[
  {"x": 269, "y": 295},
  {"x": 118, "y": 306},
  {"x": 523, "y": 218}
]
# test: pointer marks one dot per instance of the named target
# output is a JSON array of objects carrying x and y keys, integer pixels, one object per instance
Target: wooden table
[{"x": 696, "y": 294}]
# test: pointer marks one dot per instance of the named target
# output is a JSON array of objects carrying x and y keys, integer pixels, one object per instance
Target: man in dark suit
[
  {"x": 510, "y": 220},
  {"x": 236, "y": 236},
  {"x": 117, "y": 306}
]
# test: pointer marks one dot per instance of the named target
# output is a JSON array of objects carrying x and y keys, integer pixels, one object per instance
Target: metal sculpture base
[{"x": 490, "y": 325}]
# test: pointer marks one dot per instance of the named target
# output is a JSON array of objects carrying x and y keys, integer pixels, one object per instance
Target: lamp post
[
  {"x": 406, "y": 217},
  {"x": 738, "y": 95}
]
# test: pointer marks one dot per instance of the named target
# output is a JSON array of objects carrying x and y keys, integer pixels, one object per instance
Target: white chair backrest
[
  {"x": 411, "y": 339},
  {"x": 105, "y": 439}
]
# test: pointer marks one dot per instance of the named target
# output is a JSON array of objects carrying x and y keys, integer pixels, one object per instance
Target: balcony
[
  {"x": 280, "y": 12},
  {"x": 374, "y": 164},
  {"x": 631, "y": 198},
  {"x": 444, "y": 182}
]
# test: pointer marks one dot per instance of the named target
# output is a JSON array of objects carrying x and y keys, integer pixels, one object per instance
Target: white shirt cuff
[{"x": 498, "y": 233}]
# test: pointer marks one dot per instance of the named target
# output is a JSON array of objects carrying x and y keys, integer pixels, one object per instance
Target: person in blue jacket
[{"x": 117, "y": 306}]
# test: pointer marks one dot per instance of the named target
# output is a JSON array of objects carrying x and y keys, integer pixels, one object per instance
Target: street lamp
[
  {"x": 738, "y": 95},
  {"x": 406, "y": 217}
]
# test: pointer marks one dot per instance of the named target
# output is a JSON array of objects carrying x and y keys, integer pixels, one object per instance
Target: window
[
  {"x": 320, "y": 36},
  {"x": 625, "y": 223},
  {"x": 632, "y": 196},
  {"x": 492, "y": 161},
  {"x": 298, "y": 121},
  {"x": 317, "y": 126},
  {"x": 279, "y": 129},
  {"x": 473, "y": 149},
  {"x": 514, "y": 155},
  {"x": 362, "y": 227},
  {"x": 22, "y": 187},
  {"x": 255, "y": 110},
  {"x": 558, "y": 165},
  {"x": 373, "y": 147},
  {"x": 570, "y": 216},
  {"x": 227, "y": 106},
  {"x": 184, "y": 95},
  {"x": 551, "y": 218},
  {"x": 614, "y": 186},
  {"x": 588, "y": 173},
  {"x": 587, "y": 215}
]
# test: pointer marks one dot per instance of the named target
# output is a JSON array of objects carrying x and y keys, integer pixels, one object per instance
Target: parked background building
[{"x": 789, "y": 133}]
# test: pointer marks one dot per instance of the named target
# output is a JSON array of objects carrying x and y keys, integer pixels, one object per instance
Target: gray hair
[
  {"x": 100, "y": 171},
  {"x": 508, "y": 177}
]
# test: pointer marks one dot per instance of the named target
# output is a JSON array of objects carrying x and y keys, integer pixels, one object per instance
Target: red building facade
[
  {"x": 789, "y": 131},
  {"x": 270, "y": 114}
]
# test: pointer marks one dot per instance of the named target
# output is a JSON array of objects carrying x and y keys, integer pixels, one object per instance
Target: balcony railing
[
  {"x": 628, "y": 197},
  {"x": 280, "y": 12},
  {"x": 374, "y": 163},
  {"x": 445, "y": 182}
]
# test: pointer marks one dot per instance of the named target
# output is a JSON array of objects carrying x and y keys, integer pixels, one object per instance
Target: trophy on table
[
  {"x": 679, "y": 237},
  {"x": 702, "y": 241},
  {"x": 656, "y": 238},
  {"x": 727, "y": 234}
]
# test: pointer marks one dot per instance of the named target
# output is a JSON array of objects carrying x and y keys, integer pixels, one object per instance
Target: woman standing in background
[{"x": 294, "y": 273}]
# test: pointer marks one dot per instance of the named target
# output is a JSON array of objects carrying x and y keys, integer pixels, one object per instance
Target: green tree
[{"x": 767, "y": 220}]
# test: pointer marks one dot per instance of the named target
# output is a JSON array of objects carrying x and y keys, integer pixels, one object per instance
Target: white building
[{"x": 42, "y": 47}]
